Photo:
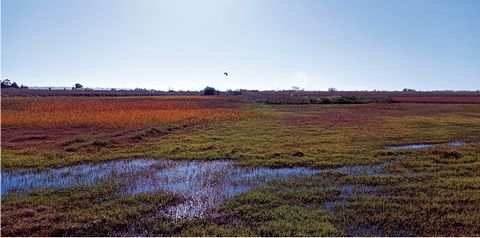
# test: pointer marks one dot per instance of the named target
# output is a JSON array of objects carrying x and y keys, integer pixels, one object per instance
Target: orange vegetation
[{"x": 123, "y": 112}]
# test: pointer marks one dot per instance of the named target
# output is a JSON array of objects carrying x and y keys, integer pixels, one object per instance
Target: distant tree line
[
  {"x": 206, "y": 91},
  {"x": 8, "y": 84}
]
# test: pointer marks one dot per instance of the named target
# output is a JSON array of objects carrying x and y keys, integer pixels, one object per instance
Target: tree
[
  {"x": 78, "y": 86},
  {"x": 408, "y": 90},
  {"x": 14, "y": 85},
  {"x": 332, "y": 89},
  {"x": 209, "y": 91},
  {"x": 6, "y": 83}
]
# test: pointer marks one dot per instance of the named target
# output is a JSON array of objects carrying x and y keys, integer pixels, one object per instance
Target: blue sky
[{"x": 263, "y": 44}]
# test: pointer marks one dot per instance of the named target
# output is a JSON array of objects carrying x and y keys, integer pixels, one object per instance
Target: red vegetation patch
[
  {"x": 114, "y": 113},
  {"x": 28, "y": 221},
  {"x": 439, "y": 99},
  {"x": 361, "y": 116},
  {"x": 302, "y": 97},
  {"x": 339, "y": 115},
  {"x": 55, "y": 138}
]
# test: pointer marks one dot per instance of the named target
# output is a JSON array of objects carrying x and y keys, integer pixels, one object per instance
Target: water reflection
[
  {"x": 204, "y": 185},
  {"x": 424, "y": 146}
]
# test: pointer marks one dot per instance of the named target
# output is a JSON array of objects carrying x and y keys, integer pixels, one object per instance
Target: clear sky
[{"x": 262, "y": 44}]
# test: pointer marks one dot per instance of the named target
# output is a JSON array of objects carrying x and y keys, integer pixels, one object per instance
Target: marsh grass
[
  {"x": 428, "y": 192},
  {"x": 78, "y": 211}
]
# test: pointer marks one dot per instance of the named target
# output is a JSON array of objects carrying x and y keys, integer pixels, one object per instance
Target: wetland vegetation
[{"x": 115, "y": 166}]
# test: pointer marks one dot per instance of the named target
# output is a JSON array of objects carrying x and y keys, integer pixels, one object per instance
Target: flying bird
[{"x": 226, "y": 74}]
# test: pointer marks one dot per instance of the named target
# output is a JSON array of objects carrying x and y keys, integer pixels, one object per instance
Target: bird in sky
[{"x": 226, "y": 74}]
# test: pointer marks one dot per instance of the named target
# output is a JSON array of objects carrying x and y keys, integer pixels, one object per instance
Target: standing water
[
  {"x": 204, "y": 185},
  {"x": 424, "y": 146}
]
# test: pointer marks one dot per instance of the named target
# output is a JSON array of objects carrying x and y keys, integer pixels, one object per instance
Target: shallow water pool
[
  {"x": 204, "y": 184},
  {"x": 424, "y": 146}
]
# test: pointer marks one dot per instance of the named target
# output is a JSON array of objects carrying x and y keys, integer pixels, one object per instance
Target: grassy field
[{"x": 433, "y": 191}]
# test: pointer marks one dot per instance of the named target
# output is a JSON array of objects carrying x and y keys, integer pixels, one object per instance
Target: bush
[{"x": 209, "y": 91}]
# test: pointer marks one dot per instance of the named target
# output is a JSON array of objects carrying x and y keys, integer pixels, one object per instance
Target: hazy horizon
[{"x": 265, "y": 45}]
